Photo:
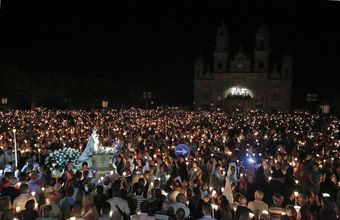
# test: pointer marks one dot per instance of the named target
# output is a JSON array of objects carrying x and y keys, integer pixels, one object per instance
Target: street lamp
[
  {"x": 105, "y": 103},
  {"x": 15, "y": 148},
  {"x": 4, "y": 100},
  {"x": 325, "y": 108},
  {"x": 147, "y": 96}
]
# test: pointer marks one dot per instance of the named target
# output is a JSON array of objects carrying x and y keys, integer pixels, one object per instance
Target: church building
[{"x": 240, "y": 81}]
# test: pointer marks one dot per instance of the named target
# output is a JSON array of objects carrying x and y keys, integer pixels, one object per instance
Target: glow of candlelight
[{"x": 265, "y": 212}]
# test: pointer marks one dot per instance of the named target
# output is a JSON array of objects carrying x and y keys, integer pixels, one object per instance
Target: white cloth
[
  {"x": 228, "y": 191},
  {"x": 121, "y": 203},
  {"x": 21, "y": 200}
]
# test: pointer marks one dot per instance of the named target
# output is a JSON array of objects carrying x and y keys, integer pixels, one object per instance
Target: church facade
[{"x": 241, "y": 81}]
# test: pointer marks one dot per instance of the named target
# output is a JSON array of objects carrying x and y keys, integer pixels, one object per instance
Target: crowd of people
[{"x": 242, "y": 165}]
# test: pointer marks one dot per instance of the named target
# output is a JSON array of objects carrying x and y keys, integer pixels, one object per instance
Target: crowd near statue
[{"x": 169, "y": 164}]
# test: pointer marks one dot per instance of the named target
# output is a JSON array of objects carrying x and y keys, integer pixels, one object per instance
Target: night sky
[{"x": 153, "y": 44}]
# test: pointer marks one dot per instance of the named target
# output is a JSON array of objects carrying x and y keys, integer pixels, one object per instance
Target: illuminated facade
[{"x": 243, "y": 81}]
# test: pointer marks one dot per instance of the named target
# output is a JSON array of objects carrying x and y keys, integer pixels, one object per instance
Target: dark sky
[{"x": 154, "y": 43}]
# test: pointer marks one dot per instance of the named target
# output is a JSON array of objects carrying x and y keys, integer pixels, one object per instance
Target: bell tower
[
  {"x": 221, "y": 55},
  {"x": 262, "y": 50},
  {"x": 286, "y": 67}
]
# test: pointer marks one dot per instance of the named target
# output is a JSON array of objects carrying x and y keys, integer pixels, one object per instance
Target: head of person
[
  {"x": 139, "y": 190},
  {"x": 180, "y": 214},
  {"x": 258, "y": 195},
  {"x": 30, "y": 204},
  {"x": 242, "y": 200},
  {"x": 166, "y": 205},
  {"x": 302, "y": 199},
  {"x": 23, "y": 188},
  {"x": 84, "y": 165},
  {"x": 181, "y": 198},
  {"x": 100, "y": 189},
  {"x": 291, "y": 211},
  {"x": 278, "y": 199},
  {"x": 207, "y": 209}
]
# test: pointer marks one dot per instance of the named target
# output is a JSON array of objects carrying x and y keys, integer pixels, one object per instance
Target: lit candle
[
  {"x": 222, "y": 189},
  {"x": 17, "y": 209},
  {"x": 39, "y": 154},
  {"x": 33, "y": 193},
  {"x": 296, "y": 194}
]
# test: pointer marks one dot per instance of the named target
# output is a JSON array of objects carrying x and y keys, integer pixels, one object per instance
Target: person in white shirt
[
  {"x": 258, "y": 206},
  {"x": 119, "y": 202},
  {"x": 181, "y": 203},
  {"x": 20, "y": 202}
]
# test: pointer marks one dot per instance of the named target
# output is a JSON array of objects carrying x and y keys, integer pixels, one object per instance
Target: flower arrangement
[
  {"x": 61, "y": 157},
  {"x": 106, "y": 150}
]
